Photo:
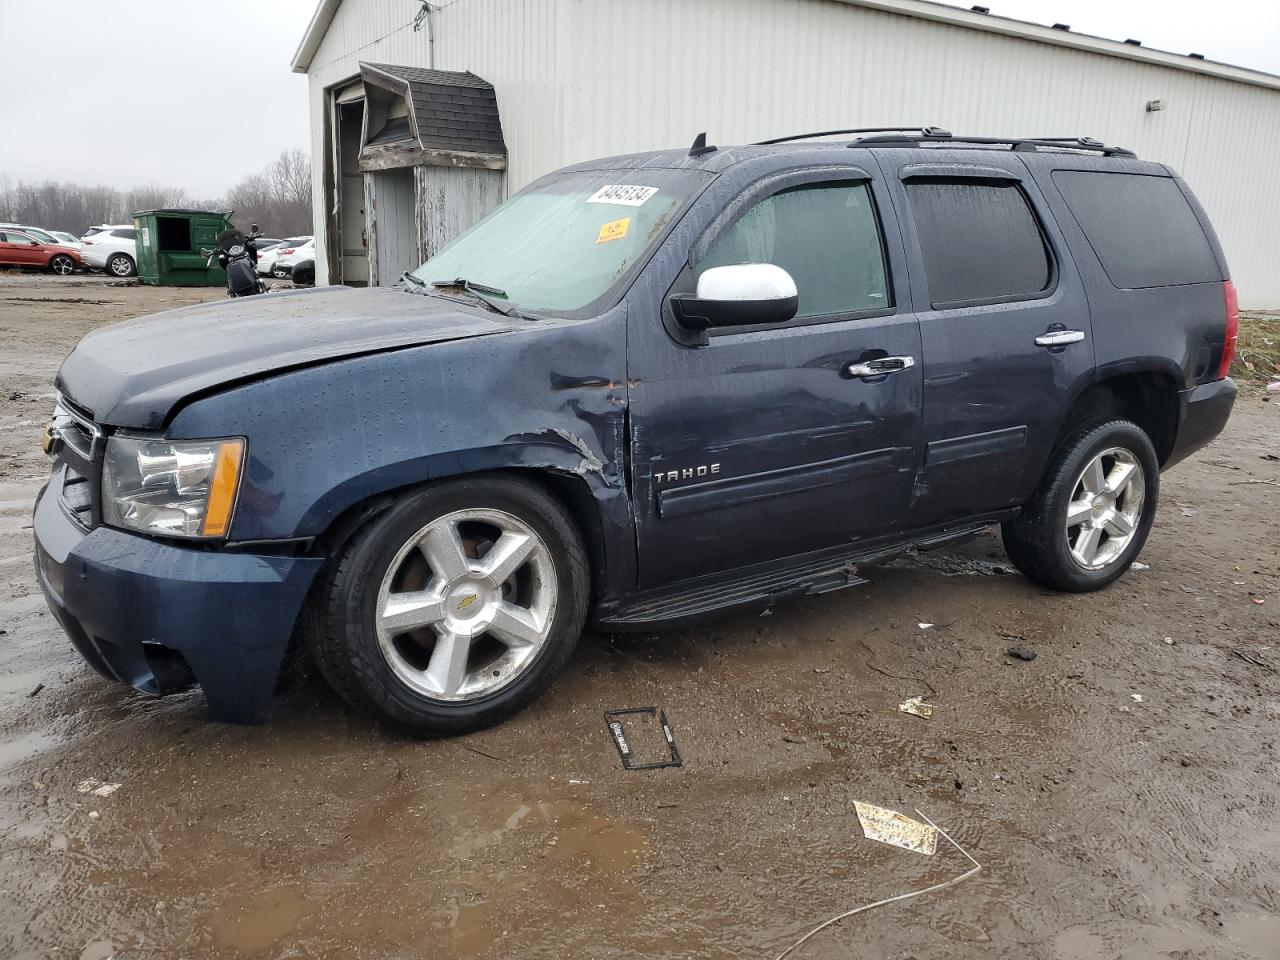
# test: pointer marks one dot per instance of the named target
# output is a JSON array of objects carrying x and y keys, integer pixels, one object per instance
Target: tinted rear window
[
  {"x": 980, "y": 241},
  {"x": 125, "y": 234},
  {"x": 1141, "y": 227}
]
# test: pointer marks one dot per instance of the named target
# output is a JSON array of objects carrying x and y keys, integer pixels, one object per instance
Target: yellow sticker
[{"x": 614, "y": 230}]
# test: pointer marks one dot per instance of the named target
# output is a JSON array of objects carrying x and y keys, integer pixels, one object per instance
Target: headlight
[{"x": 185, "y": 489}]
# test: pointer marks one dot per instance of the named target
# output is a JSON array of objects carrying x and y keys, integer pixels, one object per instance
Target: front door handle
[
  {"x": 1059, "y": 338},
  {"x": 868, "y": 369}
]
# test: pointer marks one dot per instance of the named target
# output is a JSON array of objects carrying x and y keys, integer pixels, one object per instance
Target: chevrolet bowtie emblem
[{"x": 466, "y": 602}]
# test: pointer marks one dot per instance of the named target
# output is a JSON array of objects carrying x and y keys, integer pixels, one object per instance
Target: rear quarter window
[
  {"x": 980, "y": 242},
  {"x": 1141, "y": 227}
]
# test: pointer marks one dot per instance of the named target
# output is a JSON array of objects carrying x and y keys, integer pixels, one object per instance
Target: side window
[
  {"x": 980, "y": 241},
  {"x": 125, "y": 234},
  {"x": 1141, "y": 227},
  {"x": 824, "y": 235}
]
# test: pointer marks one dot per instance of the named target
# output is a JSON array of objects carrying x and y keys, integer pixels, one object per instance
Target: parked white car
[
  {"x": 66, "y": 239},
  {"x": 113, "y": 250},
  {"x": 285, "y": 262},
  {"x": 267, "y": 260}
]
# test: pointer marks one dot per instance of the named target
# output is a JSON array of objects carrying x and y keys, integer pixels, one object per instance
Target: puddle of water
[
  {"x": 1257, "y": 933},
  {"x": 255, "y": 921},
  {"x": 27, "y": 745},
  {"x": 98, "y": 950},
  {"x": 605, "y": 844},
  {"x": 470, "y": 930}
]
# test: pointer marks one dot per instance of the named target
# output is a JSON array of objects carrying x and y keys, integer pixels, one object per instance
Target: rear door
[
  {"x": 760, "y": 444},
  {"x": 1005, "y": 336}
]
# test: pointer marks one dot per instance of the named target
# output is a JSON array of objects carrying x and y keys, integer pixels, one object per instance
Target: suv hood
[{"x": 134, "y": 374}]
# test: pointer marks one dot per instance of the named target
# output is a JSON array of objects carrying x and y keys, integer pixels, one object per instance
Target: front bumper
[
  {"x": 1202, "y": 413},
  {"x": 159, "y": 616}
]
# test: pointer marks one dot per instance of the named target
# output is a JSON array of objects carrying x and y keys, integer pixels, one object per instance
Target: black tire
[
  {"x": 120, "y": 265},
  {"x": 61, "y": 264},
  {"x": 340, "y": 627},
  {"x": 1037, "y": 540}
]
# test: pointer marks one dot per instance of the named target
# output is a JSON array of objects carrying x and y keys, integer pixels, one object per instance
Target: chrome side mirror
[{"x": 739, "y": 295}]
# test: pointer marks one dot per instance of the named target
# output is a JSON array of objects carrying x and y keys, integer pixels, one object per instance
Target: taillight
[
  {"x": 87, "y": 243},
  {"x": 1231, "y": 333},
  {"x": 289, "y": 250}
]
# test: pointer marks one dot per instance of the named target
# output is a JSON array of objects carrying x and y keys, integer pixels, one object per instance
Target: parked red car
[{"x": 18, "y": 249}]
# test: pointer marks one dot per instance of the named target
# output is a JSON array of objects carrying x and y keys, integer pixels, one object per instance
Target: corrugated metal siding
[{"x": 582, "y": 78}]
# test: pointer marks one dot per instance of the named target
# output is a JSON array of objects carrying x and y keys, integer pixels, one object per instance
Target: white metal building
[{"x": 407, "y": 153}]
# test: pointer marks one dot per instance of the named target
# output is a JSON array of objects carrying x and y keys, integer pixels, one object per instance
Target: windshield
[{"x": 568, "y": 242}]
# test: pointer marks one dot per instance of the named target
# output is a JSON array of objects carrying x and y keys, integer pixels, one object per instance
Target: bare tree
[{"x": 278, "y": 199}]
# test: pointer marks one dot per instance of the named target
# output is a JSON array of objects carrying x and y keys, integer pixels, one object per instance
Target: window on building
[
  {"x": 825, "y": 235},
  {"x": 1141, "y": 227},
  {"x": 980, "y": 241}
]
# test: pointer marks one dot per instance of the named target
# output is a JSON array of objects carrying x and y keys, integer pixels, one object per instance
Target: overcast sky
[
  {"x": 182, "y": 93},
  {"x": 197, "y": 95}
]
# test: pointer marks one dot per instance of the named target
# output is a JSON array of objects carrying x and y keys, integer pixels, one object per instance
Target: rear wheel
[
  {"x": 454, "y": 609},
  {"x": 1091, "y": 516},
  {"x": 62, "y": 264},
  {"x": 121, "y": 265}
]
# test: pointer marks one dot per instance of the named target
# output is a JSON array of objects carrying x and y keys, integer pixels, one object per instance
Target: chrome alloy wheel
[
  {"x": 1105, "y": 508},
  {"x": 120, "y": 266},
  {"x": 466, "y": 605},
  {"x": 63, "y": 265}
]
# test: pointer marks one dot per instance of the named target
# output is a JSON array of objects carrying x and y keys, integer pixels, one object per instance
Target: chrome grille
[
  {"x": 75, "y": 429},
  {"x": 77, "y": 496},
  {"x": 78, "y": 448}
]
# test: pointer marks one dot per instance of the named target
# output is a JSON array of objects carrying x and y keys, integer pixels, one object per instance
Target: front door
[
  {"x": 764, "y": 443},
  {"x": 1004, "y": 327},
  {"x": 19, "y": 249}
]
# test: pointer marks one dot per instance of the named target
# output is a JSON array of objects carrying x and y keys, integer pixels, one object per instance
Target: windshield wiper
[
  {"x": 479, "y": 291},
  {"x": 410, "y": 278}
]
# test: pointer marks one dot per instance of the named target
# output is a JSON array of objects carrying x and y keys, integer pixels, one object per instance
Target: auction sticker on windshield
[
  {"x": 626, "y": 194},
  {"x": 613, "y": 230}
]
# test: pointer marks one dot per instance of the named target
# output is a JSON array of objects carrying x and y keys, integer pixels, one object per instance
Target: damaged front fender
[{"x": 551, "y": 397}]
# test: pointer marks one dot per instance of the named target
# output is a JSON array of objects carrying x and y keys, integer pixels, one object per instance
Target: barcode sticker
[{"x": 628, "y": 195}]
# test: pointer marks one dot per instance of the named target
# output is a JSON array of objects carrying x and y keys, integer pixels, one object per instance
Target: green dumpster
[{"x": 169, "y": 244}]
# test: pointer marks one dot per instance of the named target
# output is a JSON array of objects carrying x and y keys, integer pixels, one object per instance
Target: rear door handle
[
  {"x": 868, "y": 369},
  {"x": 1059, "y": 338}
]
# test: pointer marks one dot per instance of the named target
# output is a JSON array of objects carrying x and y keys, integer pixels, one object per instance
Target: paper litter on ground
[
  {"x": 897, "y": 829},
  {"x": 916, "y": 707},
  {"x": 97, "y": 787}
]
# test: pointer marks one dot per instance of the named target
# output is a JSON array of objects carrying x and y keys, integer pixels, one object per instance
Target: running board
[{"x": 762, "y": 585}]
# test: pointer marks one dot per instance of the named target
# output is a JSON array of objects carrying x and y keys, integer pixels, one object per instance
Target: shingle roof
[{"x": 451, "y": 110}]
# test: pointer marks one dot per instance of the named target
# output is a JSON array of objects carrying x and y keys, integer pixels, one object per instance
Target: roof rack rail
[
  {"x": 923, "y": 131},
  {"x": 1019, "y": 144}
]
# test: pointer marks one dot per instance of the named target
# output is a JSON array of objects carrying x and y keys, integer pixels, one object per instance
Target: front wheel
[
  {"x": 1091, "y": 516},
  {"x": 121, "y": 265},
  {"x": 455, "y": 608},
  {"x": 62, "y": 265}
]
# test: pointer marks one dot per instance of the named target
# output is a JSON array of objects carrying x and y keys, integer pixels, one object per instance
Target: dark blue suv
[{"x": 643, "y": 390}]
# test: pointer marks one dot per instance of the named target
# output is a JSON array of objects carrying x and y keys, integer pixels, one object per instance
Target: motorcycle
[{"x": 237, "y": 256}]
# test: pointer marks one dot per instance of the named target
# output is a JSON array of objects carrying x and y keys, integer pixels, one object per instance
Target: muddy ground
[{"x": 1120, "y": 791}]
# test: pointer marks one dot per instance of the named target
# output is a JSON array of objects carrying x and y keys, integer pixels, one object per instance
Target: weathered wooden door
[{"x": 393, "y": 231}]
